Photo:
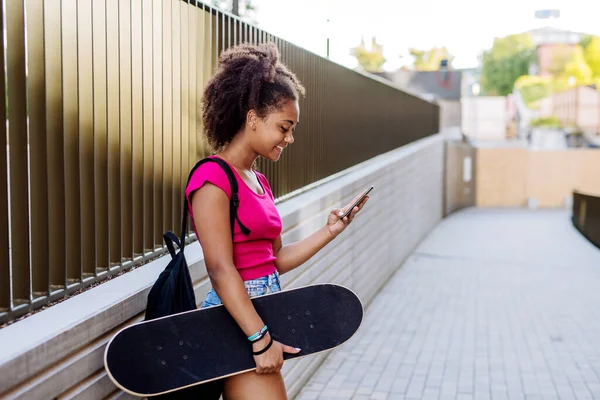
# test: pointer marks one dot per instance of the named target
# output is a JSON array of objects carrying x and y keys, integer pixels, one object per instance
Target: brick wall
[{"x": 59, "y": 351}]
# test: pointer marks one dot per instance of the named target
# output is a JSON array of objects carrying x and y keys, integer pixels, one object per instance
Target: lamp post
[{"x": 327, "y": 34}]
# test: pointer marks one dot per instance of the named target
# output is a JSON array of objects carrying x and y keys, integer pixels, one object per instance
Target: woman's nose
[{"x": 289, "y": 138}]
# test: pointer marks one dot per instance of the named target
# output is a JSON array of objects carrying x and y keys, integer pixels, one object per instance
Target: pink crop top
[{"x": 252, "y": 254}]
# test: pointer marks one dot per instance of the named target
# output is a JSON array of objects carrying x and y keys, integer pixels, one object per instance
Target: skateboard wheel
[
  {"x": 159, "y": 347},
  {"x": 289, "y": 317},
  {"x": 311, "y": 326},
  {"x": 185, "y": 357},
  {"x": 181, "y": 342},
  {"x": 308, "y": 313},
  {"x": 293, "y": 331},
  {"x": 163, "y": 363}
]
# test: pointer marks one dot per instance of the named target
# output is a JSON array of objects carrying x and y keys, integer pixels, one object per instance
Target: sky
[{"x": 464, "y": 27}]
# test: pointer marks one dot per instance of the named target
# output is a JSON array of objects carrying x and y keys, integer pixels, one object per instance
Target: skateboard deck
[{"x": 186, "y": 349}]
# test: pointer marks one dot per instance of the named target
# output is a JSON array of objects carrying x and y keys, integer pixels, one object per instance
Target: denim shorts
[{"x": 254, "y": 287}]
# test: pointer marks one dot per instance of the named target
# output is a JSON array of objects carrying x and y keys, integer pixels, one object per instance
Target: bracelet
[
  {"x": 257, "y": 353},
  {"x": 258, "y": 335}
]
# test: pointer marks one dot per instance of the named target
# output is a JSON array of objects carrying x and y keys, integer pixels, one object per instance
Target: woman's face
[{"x": 276, "y": 131}]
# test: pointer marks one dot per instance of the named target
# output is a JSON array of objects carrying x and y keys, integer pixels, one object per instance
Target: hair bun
[{"x": 269, "y": 67}]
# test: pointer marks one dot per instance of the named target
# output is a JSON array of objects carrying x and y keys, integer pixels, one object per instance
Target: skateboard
[{"x": 182, "y": 350}]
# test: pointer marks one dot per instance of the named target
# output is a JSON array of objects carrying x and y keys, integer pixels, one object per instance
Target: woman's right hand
[{"x": 272, "y": 360}]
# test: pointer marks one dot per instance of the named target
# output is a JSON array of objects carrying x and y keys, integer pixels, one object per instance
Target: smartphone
[{"x": 357, "y": 202}]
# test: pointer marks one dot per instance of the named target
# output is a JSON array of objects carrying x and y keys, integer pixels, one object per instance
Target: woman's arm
[
  {"x": 210, "y": 207},
  {"x": 296, "y": 254},
  {"x": 211, "y": 216},
  {"x": 293, "y": 255}
]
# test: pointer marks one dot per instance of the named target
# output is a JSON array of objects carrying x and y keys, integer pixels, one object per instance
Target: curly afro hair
[{"x": 249, "y": 77}]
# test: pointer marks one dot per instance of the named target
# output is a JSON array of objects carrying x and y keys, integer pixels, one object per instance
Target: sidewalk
[{"x": 494, "y": 304}]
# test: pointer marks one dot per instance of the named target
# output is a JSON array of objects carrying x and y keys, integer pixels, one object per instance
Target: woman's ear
[{"x": 251, "y": 119}]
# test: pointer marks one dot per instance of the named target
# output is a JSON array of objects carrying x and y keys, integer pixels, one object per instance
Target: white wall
[
  {"x": 484, "y": 118},
  {"x": 450, "y": 113},
  {"x": 59, "y": 351}
]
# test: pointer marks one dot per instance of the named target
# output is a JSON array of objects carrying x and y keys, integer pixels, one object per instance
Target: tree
[
  {"x": 577, "y": 67},
  {"x": 430, "y": 60},
  {"x": 592, "y": 56},
  {"x": 370, "y": 60},
  {"x": 585, "y": 41},
  {"x": 508, "y": 59}
]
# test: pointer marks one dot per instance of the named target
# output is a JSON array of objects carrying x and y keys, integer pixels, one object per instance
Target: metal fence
[
  {"x": 102, "y": 110},
  {"x": 586, "y": 216}
]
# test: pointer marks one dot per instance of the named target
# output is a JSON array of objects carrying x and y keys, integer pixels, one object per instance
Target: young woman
[{"x": 250, "y": 110}]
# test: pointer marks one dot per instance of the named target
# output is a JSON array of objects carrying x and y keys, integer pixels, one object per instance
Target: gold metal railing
[{"x": 102, "y": 110}]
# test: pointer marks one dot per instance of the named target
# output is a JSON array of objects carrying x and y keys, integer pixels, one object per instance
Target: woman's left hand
[{"x": 337, "y": 225}]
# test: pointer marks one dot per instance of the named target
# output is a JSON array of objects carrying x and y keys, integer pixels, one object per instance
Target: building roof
[
  {"x": 552, "y": 35},
  {"x": 432, "y": 84}
]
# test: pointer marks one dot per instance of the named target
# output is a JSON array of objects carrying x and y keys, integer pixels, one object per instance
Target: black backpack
[{"x": 173, "y": 291}]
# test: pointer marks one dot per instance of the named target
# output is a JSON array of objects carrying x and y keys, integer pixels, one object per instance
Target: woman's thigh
[{"x": 251, "y": 385}]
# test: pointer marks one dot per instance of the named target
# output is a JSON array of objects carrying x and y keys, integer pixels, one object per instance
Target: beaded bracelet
[{"x": 258, "y": 335}]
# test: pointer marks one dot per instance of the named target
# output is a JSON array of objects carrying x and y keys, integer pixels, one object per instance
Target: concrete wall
[
  {"x": 518, "y": 177},
  {"x": 58, "y": 352},
  {"x": 484, "y": 118},
  {"x": 450, "y": 113}
]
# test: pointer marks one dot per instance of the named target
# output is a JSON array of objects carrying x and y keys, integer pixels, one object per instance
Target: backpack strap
[{"x": 234, "y": 202}]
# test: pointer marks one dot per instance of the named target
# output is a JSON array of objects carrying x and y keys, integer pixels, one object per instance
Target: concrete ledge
[{"x": 58, "y": 351}]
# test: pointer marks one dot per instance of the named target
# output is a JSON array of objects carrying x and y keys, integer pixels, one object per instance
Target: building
[{"x": 550, "y": 42}]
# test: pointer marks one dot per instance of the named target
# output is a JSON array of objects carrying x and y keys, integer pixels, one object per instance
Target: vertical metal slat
[
  {"x": 137, "y": 111},
  {"x": 148, "y": 131},
  {"x": 100, "y": 155},
  {"x": 215, "y": 45},
  {"x": 157, "y": 125},
  {"x": 71, "y": 140},
  {"x": 17, "y": 142},
  {"x": 36, "y": 95},
  {"x": 86, "y": 137},
  {"x": 55, "y": 151},
  {"x": 204, "y": 70},
  {"x": 167, "y": 145},
  {"x": 125, "y": 119},
  {"x": 113, "y": 132},
  {"x": 185, "y": 112},
  {"x": 5, "y": 278},
  {"x": 176, "y": 127}
]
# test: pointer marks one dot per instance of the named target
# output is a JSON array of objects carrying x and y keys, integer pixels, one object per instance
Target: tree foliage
[
  {"x": 570, "y": 66},
  {"x": 370, "y": 60},
  {"x": 585, "y": 41},
  {"x": 577, "y": 67},
  {"x": 508, "y": 59},
  {"x": 592, "y": 56}
]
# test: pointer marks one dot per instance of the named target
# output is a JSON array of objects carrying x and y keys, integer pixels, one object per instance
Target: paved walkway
[{"x": 494, "y": 304}]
